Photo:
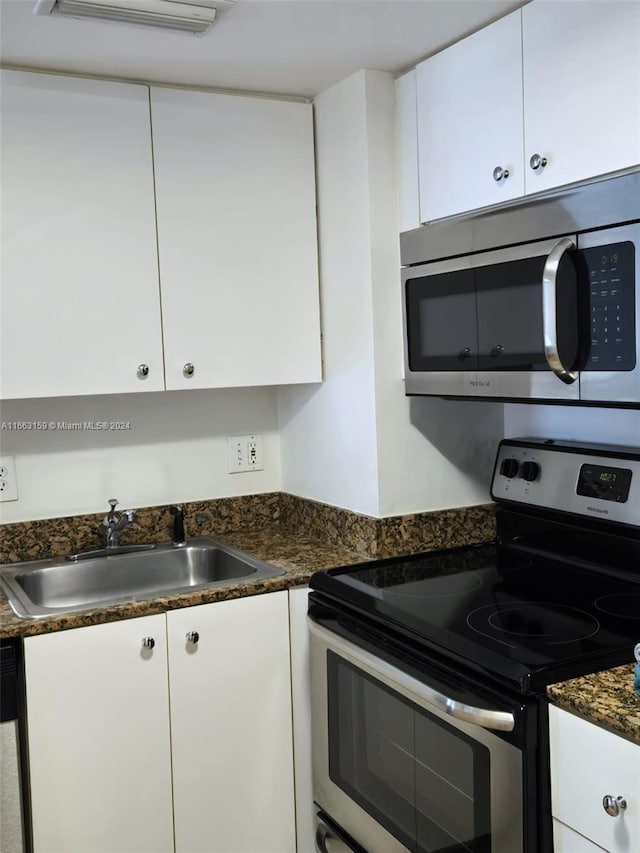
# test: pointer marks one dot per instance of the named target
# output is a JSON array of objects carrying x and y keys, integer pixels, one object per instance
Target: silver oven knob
[{"x": 613, "y": 805}]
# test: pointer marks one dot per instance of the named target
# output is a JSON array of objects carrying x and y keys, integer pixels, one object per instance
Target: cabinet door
[
  {"x": 470, "y": 121},
  {"x": 98, "y": 724},
  {"x": 581, "y": 89},
  {"x": 79, "y": 283},
  {"x": 565, "y": 840},
  {"x": 231, "y": 727},
  {"x": 237, "y": 239},
  {"x": 588, "y": 763}
]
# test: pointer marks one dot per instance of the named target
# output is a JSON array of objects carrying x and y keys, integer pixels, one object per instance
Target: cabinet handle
[
  {"x": 148, "y": 643},
  {"x": 193, "y": 637},
  {"x": 497, "y": 350},
  {"x": 613, "y": 805},
  {"x": 464, "y": 353},
  {"x": 143, "y": 371},
  {"x": 500, "y": 174},
  {"x": 188, "y": 369},
  {"x": 537, "y": 162}
]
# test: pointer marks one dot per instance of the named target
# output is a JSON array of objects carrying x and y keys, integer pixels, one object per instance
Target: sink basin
[{"x": 47, "y": 587}]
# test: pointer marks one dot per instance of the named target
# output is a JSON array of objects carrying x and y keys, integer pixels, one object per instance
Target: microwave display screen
[
  {"x": 612, "y": 292},
  {"x": 607, "y": 484}
]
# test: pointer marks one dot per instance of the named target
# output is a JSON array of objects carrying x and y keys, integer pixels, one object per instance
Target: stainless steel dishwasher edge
[{"x": 14, "y": 805}]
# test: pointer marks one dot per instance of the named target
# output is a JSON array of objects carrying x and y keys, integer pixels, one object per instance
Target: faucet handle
[{"x": 113, "y": 503}]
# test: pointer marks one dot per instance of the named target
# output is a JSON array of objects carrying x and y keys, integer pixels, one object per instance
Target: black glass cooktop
[{"x": 520, "y": 618}]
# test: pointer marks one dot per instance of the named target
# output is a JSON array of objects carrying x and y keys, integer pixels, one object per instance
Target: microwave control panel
[{"x": 612, "y": 287}]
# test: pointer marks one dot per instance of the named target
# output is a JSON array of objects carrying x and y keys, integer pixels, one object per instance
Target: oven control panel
[{"x": 597, "y": 481}]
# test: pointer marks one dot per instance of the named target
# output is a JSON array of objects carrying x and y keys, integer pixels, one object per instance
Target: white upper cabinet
[
  {"x": 470, "y": 122},
  {"x": 557, "y": 82},
  {"x": 581, "y": 89},
  {"x": 235, "y": 193},
  {"x": 84, "y": 308},
  {"x": 79, "y": 278}
]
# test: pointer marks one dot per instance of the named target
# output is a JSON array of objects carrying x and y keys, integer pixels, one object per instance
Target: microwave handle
[{"x": 549, "y": 319}]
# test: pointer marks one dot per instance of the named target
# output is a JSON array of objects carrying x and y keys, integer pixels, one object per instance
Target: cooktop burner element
[
  {"x": 627, "y": 605},
  {"x": 542, "y": 622}
]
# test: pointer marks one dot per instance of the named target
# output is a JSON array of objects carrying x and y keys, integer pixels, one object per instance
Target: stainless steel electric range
[{"x": 428, "y": 672}]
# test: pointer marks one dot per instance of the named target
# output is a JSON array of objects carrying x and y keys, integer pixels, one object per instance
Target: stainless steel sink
[{"x": 47, "y": 587}]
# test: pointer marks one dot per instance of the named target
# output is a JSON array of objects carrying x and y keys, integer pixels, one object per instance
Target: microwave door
[
  {"x": 528, "y": 331},
  {"x": 440, "y": 335},
  {"x": 610, "y": 274}
]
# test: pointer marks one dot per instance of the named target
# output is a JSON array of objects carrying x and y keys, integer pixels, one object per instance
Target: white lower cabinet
[
  {"x": 99, "y": 742},
  {"x": 231, "y": 727},
  {"x": 118, "y": 731},
  {"x": 565, "y": 840},
  {"x": 589, "y": 763}
]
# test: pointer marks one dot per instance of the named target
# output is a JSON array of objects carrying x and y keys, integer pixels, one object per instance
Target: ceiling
[{"x": 287, "y": 47}]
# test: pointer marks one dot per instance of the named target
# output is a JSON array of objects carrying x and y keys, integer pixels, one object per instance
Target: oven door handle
[
  {"x": 503, "y": 721},
  {"x": 549, "y": 317}
]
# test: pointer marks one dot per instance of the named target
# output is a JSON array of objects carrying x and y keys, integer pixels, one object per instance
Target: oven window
[{"x": 427, "y": 783}]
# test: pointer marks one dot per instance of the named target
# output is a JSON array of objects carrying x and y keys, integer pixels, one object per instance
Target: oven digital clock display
[{"x": 607, "y": 484}]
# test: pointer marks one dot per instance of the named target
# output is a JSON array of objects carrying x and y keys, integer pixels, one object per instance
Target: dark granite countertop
[
  {"x": 605, "y": 698},
  {"x": 299, "y": 555}
]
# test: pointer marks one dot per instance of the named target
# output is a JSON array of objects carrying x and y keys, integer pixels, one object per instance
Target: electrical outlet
[
  {"x": 245, "y": 453},
  {"x": 8, "y": 482}
]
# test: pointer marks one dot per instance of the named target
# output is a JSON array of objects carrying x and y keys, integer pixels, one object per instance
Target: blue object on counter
[{"x": 636, "y": 672}]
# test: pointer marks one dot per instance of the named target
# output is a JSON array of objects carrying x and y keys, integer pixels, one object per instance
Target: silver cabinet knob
[
  {"x": 143, "y": 371},
  {"x": 500, "y": 174},
  {"x": 497, "y": 350},
  {"x": 193, "y": 637},
  {"x": 188, "y": 369},
  {"x": 148, "y": 642},
  {"x": 537, "y": 162},
  {"x": 613, "y": 805},
  {"x": 464, "y": 353}
]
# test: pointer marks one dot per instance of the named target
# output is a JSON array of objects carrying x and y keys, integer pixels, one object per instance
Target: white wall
[
  {"x": 608, "y": 426},
  {"x": 175, "y": 450},
  {"x": 328, "y": 432},
  {"x": 358, "y": 441}
]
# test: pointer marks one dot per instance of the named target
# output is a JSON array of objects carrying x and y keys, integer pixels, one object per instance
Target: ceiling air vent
[{"x": 195, "y": 16}]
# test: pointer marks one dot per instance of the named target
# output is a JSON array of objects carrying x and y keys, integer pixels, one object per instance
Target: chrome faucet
[{"x": 116, "y": 524}]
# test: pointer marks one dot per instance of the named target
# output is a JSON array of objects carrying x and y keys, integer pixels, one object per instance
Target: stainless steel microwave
[{"x": 535, "y": 301}]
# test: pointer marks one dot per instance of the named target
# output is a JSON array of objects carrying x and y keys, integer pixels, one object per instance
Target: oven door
[
  {"x": 398, "y": 765},
  {"x": 502, "y": 324}
]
